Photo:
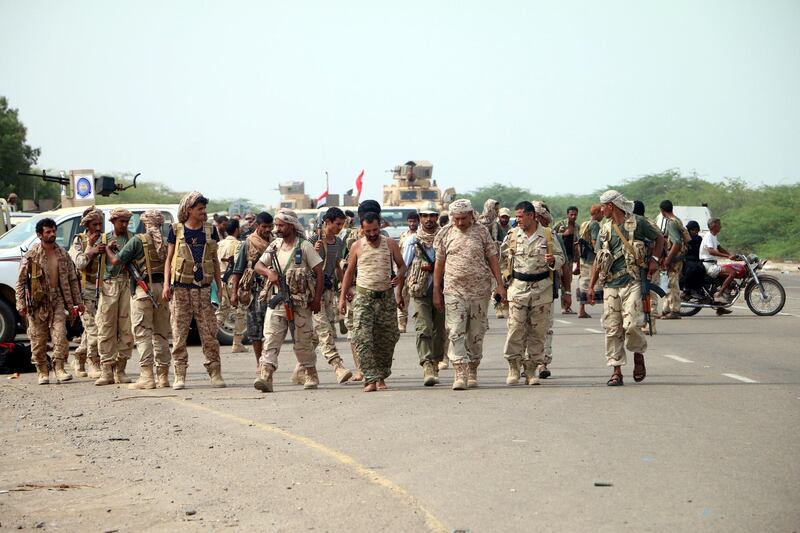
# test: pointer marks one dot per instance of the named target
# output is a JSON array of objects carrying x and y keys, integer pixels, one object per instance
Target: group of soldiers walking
[{"x": 143, "y": 289}]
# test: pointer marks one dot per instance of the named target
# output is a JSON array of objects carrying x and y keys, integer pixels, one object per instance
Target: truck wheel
[{"x": 8, "y": 322}]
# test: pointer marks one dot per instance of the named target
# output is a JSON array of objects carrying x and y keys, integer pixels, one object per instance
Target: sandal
[
  {"x": 615, "y": 381},
  {"x": 639, "y": 370},
  {"x": 568, "y": 311},
  {"x": 584, "y": 315}
]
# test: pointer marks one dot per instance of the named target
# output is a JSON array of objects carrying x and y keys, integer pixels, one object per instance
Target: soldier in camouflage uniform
[
  {"x": 402, "y": 311},
  {"x": 292, "y": 262},
  {"x": 88, "y": 252},
  {"x": 620, "y": 259},
  {"x": 420, "y": 256},
  {"x": 246, "y": 284},
  {"x": 53, "y": 289},
  {"x": 466, "y": 262},
  {"x": 677, "y": 241},
  {"x": 567, "y": 230},
  {"x": 587, "y": 239},
  {"x": 115, "y": 337},
  {"x": 147, "y": 252},
  {"x": 227, "y": 251},
  {"x": 530, "y": 256},
  {"x": 190, "y": 268},
  {"x": 375, "y": 331},
  {"x": 331, "y": 248}
]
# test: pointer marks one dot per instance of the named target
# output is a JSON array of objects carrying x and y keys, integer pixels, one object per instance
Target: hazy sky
[{"x": 232, "y": 97}]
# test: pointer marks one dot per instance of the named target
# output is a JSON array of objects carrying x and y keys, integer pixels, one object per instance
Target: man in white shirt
[{"x": 710, "y": 250}]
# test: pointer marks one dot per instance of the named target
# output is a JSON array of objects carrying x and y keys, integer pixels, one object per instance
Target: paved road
[{"x": 708, "y": 441}]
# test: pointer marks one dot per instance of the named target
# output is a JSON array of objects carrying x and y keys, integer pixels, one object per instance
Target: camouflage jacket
[{"x": 35, "y": 260}]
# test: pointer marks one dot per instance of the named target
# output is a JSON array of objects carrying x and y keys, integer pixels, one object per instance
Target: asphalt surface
[{"x": 709, "y": 441}]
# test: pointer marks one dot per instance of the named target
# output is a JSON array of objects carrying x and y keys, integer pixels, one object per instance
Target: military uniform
[
  {"x": 618, "y": 271},
  {"x": 429, "y": 321},
  {"x": 227, "y": 251},
  {"x": 151, "y": 325},
  {"x": 88, "y": 270},
  {"x": 250, "y": 283},
  {"x": 46, "y": 318},
  {"x": 375, "y": 331},
  {"x": 586, "y": 237},
  {"x": 115, "y": 337},
  {"x": 530, "y": 297},
  {"x": 402, "y": 314},
  {"x": 296, "y": 264},
  {"x": 467, "y": 289},
  {"x": 675, "y": 233},
  {"x": 192, "y": 271}
]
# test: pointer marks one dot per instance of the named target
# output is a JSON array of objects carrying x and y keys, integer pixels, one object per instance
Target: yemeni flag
[
  {"x": 322, "y": 199},
  {"x": 359, "y": 185}
]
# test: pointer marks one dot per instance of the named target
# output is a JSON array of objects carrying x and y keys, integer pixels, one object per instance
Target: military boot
[
  {"x": 215, "y": 372},
  {"x": 472, "y": 374},
  {"x": 93, "y": 367},
  {"x": 297, "y": 375},
  {"x": 435, "y": 372},
  {"x": 428, "y": 374},
  {"x": 106, "y": 374},
  {"x": 58, "y": 369},
  {"x": 312, "y": 378},
  {"x": 530, "y": 373},
  {"x": 342, "y": 374},
  {"x": 43, "y": 374},
  {"x": 180, "y": 377},
  {"x": 444, "y": 364},
  {"x": 119, "y": 371},
  {"x": 237, "y": 346},
  {"x": 79, "y": 366},
  {"x": 145, "y": 380},
  {"x": 460, "y": 379},
  {"x": 513, "y": 372},
  {"x": 264, "y": 380},
  {"x": 162, "y": 380}
]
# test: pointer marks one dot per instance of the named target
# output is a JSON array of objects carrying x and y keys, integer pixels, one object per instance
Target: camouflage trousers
[
  {"x": 52, "y": 328},
  {"x": 547, "y": 352},
  {"x": 528, "y": 327},
  {"x": 187, "y": 304},
  {"x": 402, "y": 314},
  {"x": 324, "y": 335},
  {"x": 375, "y": 332},
  {"x": 467, "y": 323},
  {"x": 225, "y": 309},
  {"x": 114, "y": 335},
  {"x": 151, "y": 327},
  {"x": 672, "y": 303},
  {"x": 430, "y": 328},
  {"x": 88, "y": 347},
  {"x": 275, "y": 329},
  {"x": 623, "y": 318}
]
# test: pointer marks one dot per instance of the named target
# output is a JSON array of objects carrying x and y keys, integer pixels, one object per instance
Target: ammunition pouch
[
  {"x": 300, "y": 285},
  {"x": 417, "y": 279}
]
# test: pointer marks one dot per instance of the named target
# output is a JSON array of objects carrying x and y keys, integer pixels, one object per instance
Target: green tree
[{"x": 16, "y": 155}]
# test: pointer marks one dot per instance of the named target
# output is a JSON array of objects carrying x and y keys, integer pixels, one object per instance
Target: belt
[
  {"x": 530, "y": 277},
  {"x": 157, "y": 278},
  {"x": 373, "y": 294}
]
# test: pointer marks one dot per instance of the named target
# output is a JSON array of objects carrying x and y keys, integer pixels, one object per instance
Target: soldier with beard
[
  {"x": 420, "y": 257},
  {"x": 246, "y": 283}
]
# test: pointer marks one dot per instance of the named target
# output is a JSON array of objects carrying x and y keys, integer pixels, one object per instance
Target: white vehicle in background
[
  {"x": 698, "y": 213},
  {"x": 397, "y": 220},
  {"x": 68, "y": 221}
]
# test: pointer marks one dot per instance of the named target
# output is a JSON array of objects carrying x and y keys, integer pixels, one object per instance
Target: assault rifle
[
  {"x": 647, "y": 287},
  {"x": 228, "y": 270},
  {"x": 28, "y": 285},
  {"x": 283, "y": 296},
  {"x": 137, "y": 277}
]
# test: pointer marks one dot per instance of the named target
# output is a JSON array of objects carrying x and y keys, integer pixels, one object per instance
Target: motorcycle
[{"x": 764, "y": 294}]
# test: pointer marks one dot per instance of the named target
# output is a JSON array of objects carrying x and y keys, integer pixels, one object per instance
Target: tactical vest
[
  {"x": 183, "y": 265},
  {"x": 149, "y": 263},
  {"x": 418, "y": 279},
  {"x": 507, "y": 269},
  {"x": 89, "y": 274},
  {"x": 634, "y": 251},
  {"x": 300, "y": 281},
  {"x": 250, "y": 281}
]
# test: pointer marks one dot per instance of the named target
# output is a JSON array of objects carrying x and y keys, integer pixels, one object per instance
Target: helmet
[{"x": 429, "y": 209}]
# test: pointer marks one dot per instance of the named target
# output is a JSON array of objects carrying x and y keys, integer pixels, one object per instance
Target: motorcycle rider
[{"x": 710, "y": 250}]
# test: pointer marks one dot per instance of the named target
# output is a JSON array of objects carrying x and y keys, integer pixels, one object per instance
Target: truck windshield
[
  {"x": 20, "y": 233},
  {"x": 408, "y": 195},
  {"x": 430, "y": 195}
]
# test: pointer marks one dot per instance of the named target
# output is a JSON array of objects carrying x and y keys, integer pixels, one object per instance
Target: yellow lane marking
[{"x": 433, "y": 523}]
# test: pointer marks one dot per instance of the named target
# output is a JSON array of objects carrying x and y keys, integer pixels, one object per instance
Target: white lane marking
[
  {"x": 743, "y": 308},
  {"x": 563, "y": 321},
  {"x": 590, "y": 330},
  {"x": 677, "y": 358},
  {"x": 740, "y": 378}
]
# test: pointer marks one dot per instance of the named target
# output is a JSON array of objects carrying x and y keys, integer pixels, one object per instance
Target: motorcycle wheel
[
  {"x": 772, "y": 304},
  {"x": 689, "y": 311}
]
